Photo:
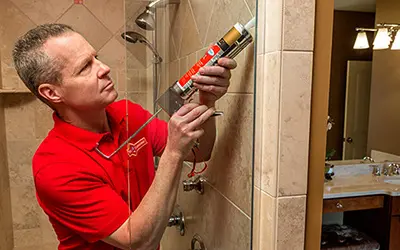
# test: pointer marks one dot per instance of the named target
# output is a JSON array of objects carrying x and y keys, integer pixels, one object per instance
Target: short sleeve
[
  {"x": 157, "y": 130},
  {"x": 80, "y": 201}
]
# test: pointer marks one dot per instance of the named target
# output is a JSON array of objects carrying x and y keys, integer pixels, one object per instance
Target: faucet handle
[
  {"x": 395, "y": 168},
  {"x": 376, "y": 171}
]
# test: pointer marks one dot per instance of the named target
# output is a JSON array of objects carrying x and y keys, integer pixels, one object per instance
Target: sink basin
[{"x": 393, "y": 181}]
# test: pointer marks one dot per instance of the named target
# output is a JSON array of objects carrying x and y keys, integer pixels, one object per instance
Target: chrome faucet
[
  {"x": 391, "y": 169},
  {"x": 376, "y": 170},
  {"x": 367, "y": 158}
]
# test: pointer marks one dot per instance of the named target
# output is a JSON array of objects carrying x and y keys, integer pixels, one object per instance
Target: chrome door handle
[{"x": 349, "y": 140}]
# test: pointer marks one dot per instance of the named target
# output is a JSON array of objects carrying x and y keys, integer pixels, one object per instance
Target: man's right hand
[{"x": 184, "y": 128}]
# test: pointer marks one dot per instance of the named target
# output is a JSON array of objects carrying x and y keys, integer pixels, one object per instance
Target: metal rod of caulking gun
[{"x": 216, "y": 113}]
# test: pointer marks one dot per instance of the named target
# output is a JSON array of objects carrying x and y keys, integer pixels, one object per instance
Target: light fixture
[
  {"x": 384, "y": 36},
  {"x": 361, "y": 41},
  {"x": 396, "y": 43},
  {"x": 382, "y": 39}
]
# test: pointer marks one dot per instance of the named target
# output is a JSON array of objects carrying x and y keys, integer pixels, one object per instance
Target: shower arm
[{"x": 162, "y": 3}]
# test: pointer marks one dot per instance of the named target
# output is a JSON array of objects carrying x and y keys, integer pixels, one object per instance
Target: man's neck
[{"x": 95, "y": 121}]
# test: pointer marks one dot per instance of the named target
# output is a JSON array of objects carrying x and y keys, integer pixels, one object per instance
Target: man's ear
[{"x": 50, "y": 92}]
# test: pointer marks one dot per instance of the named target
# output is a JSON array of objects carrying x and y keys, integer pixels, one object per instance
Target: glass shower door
[{"x": 163, "y": 41}]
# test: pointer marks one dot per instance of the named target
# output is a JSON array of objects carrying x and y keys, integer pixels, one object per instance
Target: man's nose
[{"x": 104, "y": 70}]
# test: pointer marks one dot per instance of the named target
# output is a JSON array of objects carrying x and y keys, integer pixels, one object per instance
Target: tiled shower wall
[
  {"x": 6, "y": 232},
  {"x": 221, "y": 216},
  {"x": 27, "y": 121},
  {"x": 284, "y": 75}
]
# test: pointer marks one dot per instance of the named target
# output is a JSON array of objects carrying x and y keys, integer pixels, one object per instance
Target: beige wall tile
[
  {"x": 43, "y": 11},
  {"x": 140, "y": 98},
  {"x": 176, "y": 16},
  {"x": 78, "y": 16},
  {"x": 231, "y": 162},
  {"x": 261, "y": 27},
  {"x": 20, "y": 175},
  {"x": 270, "y": 121},
  {"x": 220, "y": 224},
  {"x": 183, "y": 66},
  {"x": 258, "y": 121},
  {"x": 137, "y": 60},
  {"x": 273, "y": 25},
  {"x": 202, "y": 11},
  {"x": 25, "y": 209},
  {"x": 225, "y": 15},
  {"x": 242, "y": 80},
  {"x": 11, "y": 79},
  {"x": 109, "y": 12},
  {"x": 291, "y": 221},
  {"x": 27, "y": 238},
  {"x": 6, "y": 232},
  {"x": 173, "y": 72},
  {"x": 252, "y": 5},
  {"x": 256, "y": 218},
  {"x": 13, "y": 24},
  {"x": 294, "y": 122},
  {"x": 41, "y": 247},
  {"x": 132, "y": 80},
  {"x": 48, "y": 234},
  {"x": 113, "y": 54},
  {"x": 298, "y": 25},
  {"x": 43, "y": 120},
  {"x": 19, "y": 111},
  {"x": 268, "y": 222},
  {"x": 190, "y": 38},
  {"x": 20, "y": 152}
]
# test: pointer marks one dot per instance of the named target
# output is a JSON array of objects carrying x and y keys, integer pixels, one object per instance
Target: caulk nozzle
[{"x": 250, "y": 24}]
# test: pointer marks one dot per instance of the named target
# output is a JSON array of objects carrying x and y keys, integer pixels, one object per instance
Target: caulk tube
[{"x": 184, "y": 86}]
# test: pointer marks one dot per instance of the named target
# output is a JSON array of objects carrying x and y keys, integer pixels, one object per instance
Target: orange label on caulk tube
[{"x": 212, "y": 55}]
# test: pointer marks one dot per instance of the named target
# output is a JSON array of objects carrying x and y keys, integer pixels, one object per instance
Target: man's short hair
[{"x": 34, "y": 66}]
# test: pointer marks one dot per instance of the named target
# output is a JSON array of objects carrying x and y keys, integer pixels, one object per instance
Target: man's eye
[{"x": 85, "y": 67}]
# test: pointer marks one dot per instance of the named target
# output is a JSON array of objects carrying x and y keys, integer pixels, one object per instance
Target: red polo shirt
[{"x": 86, "y": 195}]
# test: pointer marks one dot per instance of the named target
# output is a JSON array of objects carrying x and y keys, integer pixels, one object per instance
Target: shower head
[
  {"x": 146, "y": 20},
  {"x": 134, "y": 37}
]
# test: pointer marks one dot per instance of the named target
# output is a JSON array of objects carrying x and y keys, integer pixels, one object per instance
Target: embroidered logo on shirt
[{"x": 133, "y": 148}]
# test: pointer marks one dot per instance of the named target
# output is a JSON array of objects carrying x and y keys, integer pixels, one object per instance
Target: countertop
[{"x": 360, "y": 185}]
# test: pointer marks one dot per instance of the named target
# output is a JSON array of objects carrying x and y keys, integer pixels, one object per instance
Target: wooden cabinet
[
  {"x": 377, "y": 216},
  {"x": 394, "y": 243},
  {"x": 353, "y": 204}
]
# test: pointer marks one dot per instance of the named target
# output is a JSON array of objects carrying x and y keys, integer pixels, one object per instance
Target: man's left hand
[{"x": 213, "y": 81}]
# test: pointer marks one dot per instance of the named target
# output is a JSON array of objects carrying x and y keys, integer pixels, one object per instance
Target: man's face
[{"x": 86, "y": 84}]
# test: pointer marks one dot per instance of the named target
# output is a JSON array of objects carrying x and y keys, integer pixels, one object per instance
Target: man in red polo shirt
[{"x": 85, "y": 195}]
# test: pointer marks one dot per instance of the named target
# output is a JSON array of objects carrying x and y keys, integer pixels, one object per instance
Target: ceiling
[{"x": 355, "y": 5}]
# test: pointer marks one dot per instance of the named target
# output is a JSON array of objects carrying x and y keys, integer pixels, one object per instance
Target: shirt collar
[{"x": 85, "y": 138}]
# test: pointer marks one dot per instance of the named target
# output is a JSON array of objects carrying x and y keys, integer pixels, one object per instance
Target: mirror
[{"x": 364, "y": 86}]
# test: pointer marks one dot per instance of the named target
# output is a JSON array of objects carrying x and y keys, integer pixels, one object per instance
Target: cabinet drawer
[
  {"x": 396, "y": 206},
  {"x": 352, "y": 204}
]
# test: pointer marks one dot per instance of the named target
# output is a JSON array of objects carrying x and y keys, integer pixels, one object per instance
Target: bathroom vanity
[{"x": 369, "y": 203}]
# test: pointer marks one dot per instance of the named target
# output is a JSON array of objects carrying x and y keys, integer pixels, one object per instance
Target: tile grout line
[
  {"x": 203, "y": 43},
  {"x": 231, "y": 202},
  {"x": 282, "y": 24}
]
